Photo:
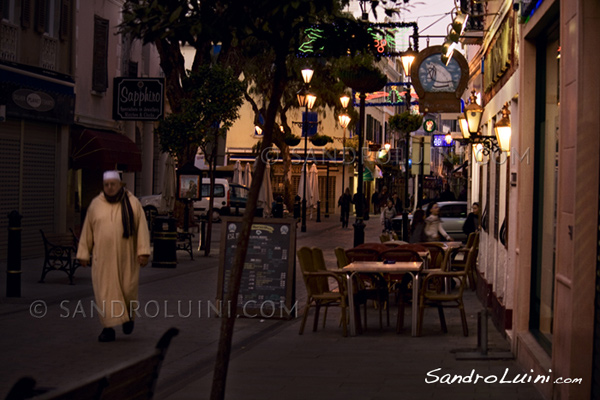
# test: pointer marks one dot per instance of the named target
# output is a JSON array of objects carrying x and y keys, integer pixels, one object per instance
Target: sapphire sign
[{"x": 138, "y": 99}]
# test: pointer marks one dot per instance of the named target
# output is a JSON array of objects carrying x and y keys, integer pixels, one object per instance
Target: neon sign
[{"x": 389, "y": 39}]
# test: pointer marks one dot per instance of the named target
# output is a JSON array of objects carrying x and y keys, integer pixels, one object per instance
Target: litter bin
[{"x": 165, "y": 243}]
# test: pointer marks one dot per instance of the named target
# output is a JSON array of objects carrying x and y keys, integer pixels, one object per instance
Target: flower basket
[
  {"x": 321, "y": 140},
  {"x": 292, "y": 140},
  {"x": 363, "y": 79}
]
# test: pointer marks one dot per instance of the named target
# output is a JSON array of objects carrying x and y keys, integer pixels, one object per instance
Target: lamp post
[
  {"x": 306, "y": 100},
  {"x": 344, "y": 120},
  {"x": 359, "y": 225},
  {"x": 407, "y": 59}
]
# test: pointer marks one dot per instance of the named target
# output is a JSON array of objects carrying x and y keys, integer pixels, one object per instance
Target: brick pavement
[{"x": 269, "y": 360}]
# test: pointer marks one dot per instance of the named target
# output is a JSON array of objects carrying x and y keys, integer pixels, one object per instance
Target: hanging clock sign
[{"x": 439, "y": 86}]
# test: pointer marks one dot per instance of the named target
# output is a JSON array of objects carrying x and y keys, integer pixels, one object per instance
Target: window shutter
[
  {"x": 25, "y": 13},
  {"x": 100, "y": 66},
  {"x": 40, "y": 16},
  {"x": 132, "y": 69},
  {"x": 65, "y": 20}
]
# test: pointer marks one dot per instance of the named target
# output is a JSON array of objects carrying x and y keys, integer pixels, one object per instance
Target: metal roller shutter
[
  {"x": 28, "y": 181},
  {"x": 10, "y": 150},
  {"x": 39, "y": 175}
]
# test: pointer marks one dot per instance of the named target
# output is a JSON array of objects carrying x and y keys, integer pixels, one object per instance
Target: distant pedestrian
[
  {"x": 472, "y": 222},
  {"x": 383, "y": 197},
  {"x": 397, "y": 203},
  {"x": 433, "y": 225},
  {"x": 115, "y": 231},
  {"x": 344, "y": 203},
  {"x": 387, "y": 214},
  {"x": 417, "y": 228},
  {"x": 375, "y": 201}
]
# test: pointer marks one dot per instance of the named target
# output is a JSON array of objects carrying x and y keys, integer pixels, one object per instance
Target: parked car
[
  {"x": 228, "y": 198},
  {"x": 238, "y": 197},
  {"x": 452, "y": 213},
  {"x": 152, "y": 205}
]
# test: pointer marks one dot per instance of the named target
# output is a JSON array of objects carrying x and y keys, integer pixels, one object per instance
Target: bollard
[
  {"x": 278, "y": 207},
  {"x": 359, "y": 232},
  {"x": 297, "y": 207},
  {"x": 319, "y": 211},
  {"x": 203, "y": 234},
  {"x": 13, "y": 256}
]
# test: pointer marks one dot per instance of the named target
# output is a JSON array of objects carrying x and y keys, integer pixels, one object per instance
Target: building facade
[{"x": 58, "y": 60}]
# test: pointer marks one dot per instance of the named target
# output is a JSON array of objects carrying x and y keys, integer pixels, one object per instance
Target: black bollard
[
  {"x": 359, "y": 232},
  {"x": 297, "y": 207},
  {"x": 13, "y": 256},
  {"x": 278, "y": 207},
  {"x": 319, "y": 211},
  {"x": 203, "y": 234}
]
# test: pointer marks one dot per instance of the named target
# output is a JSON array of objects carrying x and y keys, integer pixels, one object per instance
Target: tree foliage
[{"x": 211, "y": 103}]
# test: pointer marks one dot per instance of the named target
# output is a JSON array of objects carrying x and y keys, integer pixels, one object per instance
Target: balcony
[{"x": 9, "y": 36}]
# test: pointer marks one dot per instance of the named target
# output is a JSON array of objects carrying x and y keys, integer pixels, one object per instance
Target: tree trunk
[{"x": 228, "y": 321}]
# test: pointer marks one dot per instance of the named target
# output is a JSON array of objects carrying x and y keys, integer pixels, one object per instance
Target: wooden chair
[
  {"x": 399, "y": 282},
  {"x": 318, "y": 292}
]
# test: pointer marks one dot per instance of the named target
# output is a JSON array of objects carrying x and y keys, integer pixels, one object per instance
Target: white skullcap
[{"x": 108, "y": 175}]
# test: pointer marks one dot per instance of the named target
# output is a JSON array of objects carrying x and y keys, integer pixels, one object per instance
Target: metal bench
[
  {"x": 184, "y": 242},
  {"x": 129, "y": 380},
  {"x": 60, "y": 250}
]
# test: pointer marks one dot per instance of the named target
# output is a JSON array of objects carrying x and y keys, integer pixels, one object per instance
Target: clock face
[{"x": 435, "y": 76}]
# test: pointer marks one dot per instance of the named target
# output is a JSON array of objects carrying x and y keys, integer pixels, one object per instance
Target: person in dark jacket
[
  {"x": 344, "y": 204},
  {"x": 472, "y": 222}
]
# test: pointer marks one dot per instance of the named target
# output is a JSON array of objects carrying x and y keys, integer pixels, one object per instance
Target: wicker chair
[
  {"x": 372, "y": 287},
  {"x": 319, "y": 293},
  {"x": 399, "y": 282}
]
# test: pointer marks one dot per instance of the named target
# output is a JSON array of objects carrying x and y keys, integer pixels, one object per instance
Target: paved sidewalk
[{"x": 269, "y": 359}]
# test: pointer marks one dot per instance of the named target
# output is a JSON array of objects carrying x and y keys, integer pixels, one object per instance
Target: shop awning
[{"x": 102, "y": 150}]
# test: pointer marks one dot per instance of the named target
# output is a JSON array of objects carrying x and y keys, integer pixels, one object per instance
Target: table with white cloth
[{"x": 413, "y": 268}]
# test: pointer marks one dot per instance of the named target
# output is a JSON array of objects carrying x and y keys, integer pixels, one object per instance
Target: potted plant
[
  {"x": 321, "y": 140},
  {"x": 292, "y": 140}
]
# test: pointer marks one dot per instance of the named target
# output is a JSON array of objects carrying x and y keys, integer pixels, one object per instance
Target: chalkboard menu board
[{"x": 268, "y": 279}]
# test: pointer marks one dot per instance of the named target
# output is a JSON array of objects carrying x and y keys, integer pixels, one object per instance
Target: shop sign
[
  {"x": 498, "y": 57},
  {"x": 138, "y": 99}
]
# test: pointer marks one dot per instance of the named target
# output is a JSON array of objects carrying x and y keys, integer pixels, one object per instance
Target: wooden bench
[
  {"x": 130, "y": 380},
  {"x": 60, "y": 250}
]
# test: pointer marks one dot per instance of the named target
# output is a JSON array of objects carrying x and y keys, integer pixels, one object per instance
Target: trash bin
[{"x": 165, "y": 243}]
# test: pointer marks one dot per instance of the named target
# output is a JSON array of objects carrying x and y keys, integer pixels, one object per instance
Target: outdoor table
[{"x": 379, "y": 267}]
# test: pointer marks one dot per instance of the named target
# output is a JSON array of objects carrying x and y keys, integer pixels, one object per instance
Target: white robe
[{"x": 115, "y": 268}]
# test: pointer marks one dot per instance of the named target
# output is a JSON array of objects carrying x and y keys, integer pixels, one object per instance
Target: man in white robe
[{"x": 115, "y": 233}]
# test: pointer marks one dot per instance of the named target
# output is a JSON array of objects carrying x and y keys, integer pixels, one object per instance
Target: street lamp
[
  {"x": 503, "y": 130},
  {"x": 306, "y": 100}
]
